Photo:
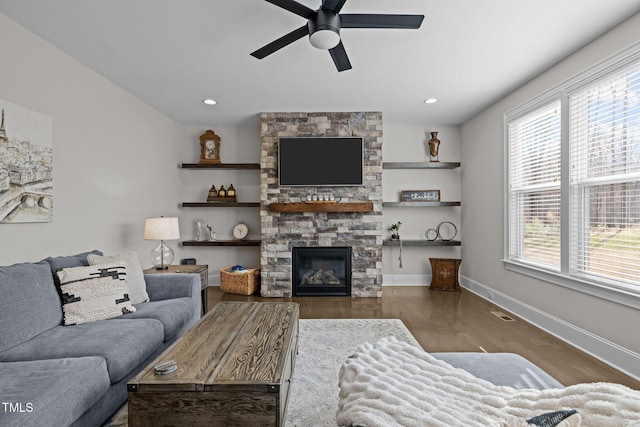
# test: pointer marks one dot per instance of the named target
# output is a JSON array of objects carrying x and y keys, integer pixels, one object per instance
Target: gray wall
[
  {"x": 114, "y": 156},
  {"x": 612, "y": 327}
]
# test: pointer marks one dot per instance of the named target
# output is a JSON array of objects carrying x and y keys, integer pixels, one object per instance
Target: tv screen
[{"x": 320, "y": 161}]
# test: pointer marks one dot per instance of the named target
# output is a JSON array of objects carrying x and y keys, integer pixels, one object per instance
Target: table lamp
[{"x": 161, "y": 229}]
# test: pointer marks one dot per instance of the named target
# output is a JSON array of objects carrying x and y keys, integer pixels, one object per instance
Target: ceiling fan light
[{"x": 324, "y": 39}]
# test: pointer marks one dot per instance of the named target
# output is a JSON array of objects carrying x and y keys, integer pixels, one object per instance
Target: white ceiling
[{"x": 174, "y": 53}]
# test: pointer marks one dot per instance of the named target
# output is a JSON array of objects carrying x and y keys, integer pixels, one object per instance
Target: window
[
  {"x": 534, "y": 187},
  {"x": 573, "y": 181},
  {"x": 604, "y": 138}
]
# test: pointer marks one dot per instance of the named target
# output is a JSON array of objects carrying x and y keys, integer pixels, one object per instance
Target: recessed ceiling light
[
  {"x": 431, "y": 100},
  {"x": 209, "y": 101}
]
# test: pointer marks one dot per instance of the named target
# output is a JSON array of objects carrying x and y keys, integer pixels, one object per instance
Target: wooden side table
[
  {"x": 444, "y": 274},
  {"x": 203, "y": 270}
]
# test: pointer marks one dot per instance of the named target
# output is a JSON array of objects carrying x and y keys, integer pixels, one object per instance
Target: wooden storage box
[
  {"x": 444, "y": 274},
  {"x": 223, "y": 378},
  {"x": 245, "y": 282}
]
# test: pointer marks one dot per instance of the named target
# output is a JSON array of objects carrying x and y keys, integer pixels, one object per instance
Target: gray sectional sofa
[{"x": 55, "y": 375}]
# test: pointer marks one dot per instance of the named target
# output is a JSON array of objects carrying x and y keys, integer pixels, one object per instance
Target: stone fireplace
[
  {"x": 321, "y": 271},
  {"x": 283, "y": 231}
]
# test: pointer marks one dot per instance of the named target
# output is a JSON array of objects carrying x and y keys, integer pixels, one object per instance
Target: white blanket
[{"x": 392, "y": 383}]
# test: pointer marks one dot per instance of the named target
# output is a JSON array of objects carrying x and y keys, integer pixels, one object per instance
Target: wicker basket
[{"x": 245, "y": 282}]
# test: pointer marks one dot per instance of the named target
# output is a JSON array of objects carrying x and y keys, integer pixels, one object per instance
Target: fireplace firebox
[{"x": 320, "y": 271}]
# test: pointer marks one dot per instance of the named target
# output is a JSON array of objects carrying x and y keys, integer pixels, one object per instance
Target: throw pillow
[
  {"x": 135, "y": 276},
  {"x": 94, "y": 293},
  {"x": 567, "y": 418}
]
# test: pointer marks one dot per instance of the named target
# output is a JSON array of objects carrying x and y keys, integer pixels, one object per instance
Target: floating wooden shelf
[
  {"x": 255, "y": 166},
  {"x": 221, "y": 243},
  {"x": 322, "y": 207},
  {"x": 410, "y": 242},
  {"x": 420, "y": 165},
  {"x": 419, "y": 204},
  {"x": 220, "y": 204}
]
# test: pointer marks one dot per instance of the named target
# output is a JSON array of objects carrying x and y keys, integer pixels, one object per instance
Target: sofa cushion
[
  {"x": 60, "y": 262},
  {"x": 124, "y": 344},
  {"x": 93, "y": 293},
  {"x": 135, "y": 276},
  {"x": 29, "y": 304},
  {"x": 51, "y": 392},
  {"x": 508, "y": 369},
  {"x": 174, "y": 314}
]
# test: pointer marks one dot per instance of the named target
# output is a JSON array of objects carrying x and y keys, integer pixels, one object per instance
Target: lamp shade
[{"x": 163, "y": 228}]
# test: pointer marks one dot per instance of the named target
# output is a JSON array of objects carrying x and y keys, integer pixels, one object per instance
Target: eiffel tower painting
[
  {"x": 26, "y": 163},
  {"x": 3, "y": 133}
]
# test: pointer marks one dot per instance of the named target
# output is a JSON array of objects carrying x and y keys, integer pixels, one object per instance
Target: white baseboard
[
  {"x": 612, "y": 354},
  {"x": 406, "y": 279}
]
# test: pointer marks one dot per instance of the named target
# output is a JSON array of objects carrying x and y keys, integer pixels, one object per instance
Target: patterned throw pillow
[
  {"x": 94, "y": 293},
  {"x": 135, "y": 276}
]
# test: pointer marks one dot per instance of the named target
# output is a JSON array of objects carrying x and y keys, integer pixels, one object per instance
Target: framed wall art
[
  {"x": 420, "y": 196},
  {"x": 26, "y": 165}
]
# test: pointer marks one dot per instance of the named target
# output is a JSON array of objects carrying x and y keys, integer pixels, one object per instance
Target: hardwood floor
[{"x": 452, "y": 321}]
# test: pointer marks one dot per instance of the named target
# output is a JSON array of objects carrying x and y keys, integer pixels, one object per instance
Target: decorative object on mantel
[
  {"x": 315, "y": 198},
  {"x": 434, "y": 145},
  {"x": 395, "y": 230},
  {"x": 209, "y": 147},
  {"x": 420, "y": 195}
]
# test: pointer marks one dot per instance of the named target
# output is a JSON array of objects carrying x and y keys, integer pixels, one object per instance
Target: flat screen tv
[{"x": 316, "y": 162}]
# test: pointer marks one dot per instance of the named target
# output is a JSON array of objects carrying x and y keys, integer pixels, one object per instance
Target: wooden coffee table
[{"x": 234, "y": 369}]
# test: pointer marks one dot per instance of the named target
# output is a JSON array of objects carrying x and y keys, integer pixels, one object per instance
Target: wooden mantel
[{"x": 322, "y": 207}]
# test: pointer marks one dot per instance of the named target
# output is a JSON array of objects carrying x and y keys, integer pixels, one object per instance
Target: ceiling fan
[{"x": 324, "y": 24}]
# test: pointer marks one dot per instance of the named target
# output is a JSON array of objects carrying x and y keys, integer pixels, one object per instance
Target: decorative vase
[
  {"x": 434, "y": 144},
  {"x": 199, "y": 230}
]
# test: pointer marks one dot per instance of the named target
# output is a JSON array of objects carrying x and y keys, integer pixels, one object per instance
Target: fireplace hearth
[{"x": 321, "y": 271}]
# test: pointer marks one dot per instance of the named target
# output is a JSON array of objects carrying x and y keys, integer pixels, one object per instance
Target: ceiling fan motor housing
[{"x": 324, "y": 29}]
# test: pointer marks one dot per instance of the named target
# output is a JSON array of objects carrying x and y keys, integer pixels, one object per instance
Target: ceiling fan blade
[
  {"x": 281, "y": 42},
  {"x": 334, "y": 5},
  {"x": 357, "y": 20},
  {"x": 295, "y": 7},
  {"x": 340, "y": 57}
]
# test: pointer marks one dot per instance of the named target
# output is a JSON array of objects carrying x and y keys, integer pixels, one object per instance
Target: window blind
[
  {"x": 534, "y": 143},
  {"x": 604, "y": 143}
]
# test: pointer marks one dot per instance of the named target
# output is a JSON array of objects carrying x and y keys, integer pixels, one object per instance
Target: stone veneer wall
[{"x": 282, "y": 231}]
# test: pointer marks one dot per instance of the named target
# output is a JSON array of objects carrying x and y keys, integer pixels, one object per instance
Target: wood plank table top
[
  {"x": 235, "y": 343},
  {"x": 233, "y": 369}
]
